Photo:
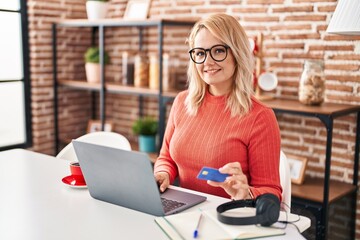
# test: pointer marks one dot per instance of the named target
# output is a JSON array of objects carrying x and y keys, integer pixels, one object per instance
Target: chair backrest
[
  {"x": 285, "y": 181},
  {"x": 110, "y": 139}
]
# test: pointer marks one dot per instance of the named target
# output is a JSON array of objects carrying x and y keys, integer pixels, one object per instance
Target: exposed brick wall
[
  {"x": 41, "y": 16},
  {"x": 294, "y": 30}
]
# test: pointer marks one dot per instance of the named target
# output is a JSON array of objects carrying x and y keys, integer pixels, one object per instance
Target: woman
[{"x": 217, "y": 122}]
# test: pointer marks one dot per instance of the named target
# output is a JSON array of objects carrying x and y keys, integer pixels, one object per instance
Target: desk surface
[{"x": 36, "y": 205}]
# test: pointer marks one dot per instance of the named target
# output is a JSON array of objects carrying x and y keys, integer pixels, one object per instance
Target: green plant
[
  {"x": 145, "y": 126},
  {"x": 92, "y": 55}
]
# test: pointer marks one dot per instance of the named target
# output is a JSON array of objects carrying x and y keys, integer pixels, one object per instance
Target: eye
[
  {"x": 219, "y": 50},
  {"x": 199, "y": 53}
]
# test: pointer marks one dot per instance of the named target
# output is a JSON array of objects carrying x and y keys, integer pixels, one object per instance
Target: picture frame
[
  {"x": 137, "y": 9},
  {"x": 95, "y": 126},
  {"x": 297, "y": 168}
]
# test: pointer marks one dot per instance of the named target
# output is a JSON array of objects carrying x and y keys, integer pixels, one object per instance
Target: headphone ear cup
[{"x": 267, "y": 209}]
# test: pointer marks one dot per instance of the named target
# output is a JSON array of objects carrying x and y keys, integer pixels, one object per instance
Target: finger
[
  {"x": 158, "y": 178},
  {"x": 238, "y": 177},
  {"x": 231, "y": 168},
  {"x": 231, "y": 165},
  {"x": 164, "y": 185},
  {"x": 161, "y": 176},
  {"x": 214, "y": 184},
  {"x": 240, "y": 186}
]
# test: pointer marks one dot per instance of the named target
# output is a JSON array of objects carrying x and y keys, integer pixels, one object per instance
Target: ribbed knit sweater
[{"x": 213, "y": 138}]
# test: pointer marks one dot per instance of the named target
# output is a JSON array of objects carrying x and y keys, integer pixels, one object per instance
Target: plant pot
[
  {"x": 147, "y": 143},
  {"x": 92, "y": 72},
  {"x": 96, "y": 10}
]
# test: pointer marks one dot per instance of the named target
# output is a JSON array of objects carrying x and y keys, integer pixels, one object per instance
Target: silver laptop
[{"x": 126, "y": 178}]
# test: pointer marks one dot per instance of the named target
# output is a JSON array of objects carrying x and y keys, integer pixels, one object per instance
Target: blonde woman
[{"x": 217, "y": 122}]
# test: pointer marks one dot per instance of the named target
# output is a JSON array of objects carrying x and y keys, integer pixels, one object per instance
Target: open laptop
[{"x": 126, "y": 178}]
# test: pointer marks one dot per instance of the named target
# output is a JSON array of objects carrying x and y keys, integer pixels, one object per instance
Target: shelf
[
  {"x": 114, "y": 88},
  {"x": 106, "y": 87},
  {"x": 313, "y": 189},
  {"x": 294, "y": 106},
  {"x": 79, "y": 85},
  {"x": 119, "y": 22}
]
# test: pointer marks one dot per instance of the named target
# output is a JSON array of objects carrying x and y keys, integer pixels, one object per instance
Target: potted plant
[
  {"x": 146, "y": 128},
  {"x": 92, "y": 66},
  {"x": 96, "y": 9}
]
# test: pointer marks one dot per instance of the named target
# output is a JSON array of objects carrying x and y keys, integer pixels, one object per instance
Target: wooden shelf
[
  {"x": 79, "y": 84},
  {"x": 313, "y": 189},
  {"x": 114, "y": 88},
  {"x": 295, "y": 106},
  {"x": 119, "y": 22}
]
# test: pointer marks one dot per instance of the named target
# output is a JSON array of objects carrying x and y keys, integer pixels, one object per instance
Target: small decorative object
[
  {"x": 96, "y": 9},
  {"x": 127, "y": 69},
  {"x": 95, "y": 126},
  {"x": 267, "y": 82},
  {"x": 312, "y": 83},
  {"x": 254, "y": 45},
  {"x": 92, "y": 66},
  {"x": 137, "y": 9},
  {"x": 141, "y": 78},
  {"x": 297, "y": 168},
  {"x": 154, "y": 71},
  {"x": 169, "y": 72},
  {"x": 146, "y": 128},
  {"x": 262, "y": 81},
  {"x": 168, "y": 77}
]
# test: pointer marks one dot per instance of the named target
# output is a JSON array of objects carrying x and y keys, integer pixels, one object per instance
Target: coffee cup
[{"x": 76, "y": 171}]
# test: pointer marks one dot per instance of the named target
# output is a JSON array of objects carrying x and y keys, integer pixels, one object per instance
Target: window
[{"x": 15, "y": 110}]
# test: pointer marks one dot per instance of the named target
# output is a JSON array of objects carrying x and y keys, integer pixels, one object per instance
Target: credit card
[{"x": 213, "y": 174}]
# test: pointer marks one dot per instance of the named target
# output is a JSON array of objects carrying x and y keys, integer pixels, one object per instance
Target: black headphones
[{"x": 267, "y": 211}]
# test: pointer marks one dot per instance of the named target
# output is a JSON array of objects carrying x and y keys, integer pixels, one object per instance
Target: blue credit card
[{"x": 213, "y": 174}]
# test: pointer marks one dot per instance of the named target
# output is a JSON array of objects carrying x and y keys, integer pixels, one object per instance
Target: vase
[
  {"x": 92, "y": 71},
  {"x": 147, "y": 143},
  {"x": 96, "y": 9}
]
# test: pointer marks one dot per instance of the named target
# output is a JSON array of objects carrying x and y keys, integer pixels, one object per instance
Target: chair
[
  {"x": 285, "y": 181},
  {"x": 109, "y": 139}
]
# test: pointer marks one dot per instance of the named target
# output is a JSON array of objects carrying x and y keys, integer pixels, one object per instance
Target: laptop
[{"x": 126, "y": 178}]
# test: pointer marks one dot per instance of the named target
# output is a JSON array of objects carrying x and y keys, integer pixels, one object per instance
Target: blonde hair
[{"x": 227, "y": 29}]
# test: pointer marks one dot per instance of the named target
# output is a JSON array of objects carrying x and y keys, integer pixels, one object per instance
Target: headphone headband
[{"x": 267, "y": 211}]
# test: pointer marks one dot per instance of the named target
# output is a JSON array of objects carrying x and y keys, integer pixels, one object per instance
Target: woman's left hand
[{"x": 236, "y": 185}]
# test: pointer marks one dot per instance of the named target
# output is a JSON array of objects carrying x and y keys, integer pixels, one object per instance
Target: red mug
[{"x": 76, "y": 171}]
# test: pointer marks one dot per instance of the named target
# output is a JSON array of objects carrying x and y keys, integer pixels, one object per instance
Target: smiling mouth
[{"x": 212, "y": 70}]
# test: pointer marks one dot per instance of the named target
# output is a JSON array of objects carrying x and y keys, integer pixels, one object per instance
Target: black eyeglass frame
[{"x": 209, "y": 50}]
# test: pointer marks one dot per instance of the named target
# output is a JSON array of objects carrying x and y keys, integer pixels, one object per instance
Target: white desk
[{"x": 36, "y": 205}]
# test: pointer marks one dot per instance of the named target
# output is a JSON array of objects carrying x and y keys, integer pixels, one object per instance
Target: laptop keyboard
[{"x": 170, "y": 205}]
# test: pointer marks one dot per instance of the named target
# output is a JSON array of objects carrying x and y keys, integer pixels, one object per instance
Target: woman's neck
[{"x": 218, "y": 91}]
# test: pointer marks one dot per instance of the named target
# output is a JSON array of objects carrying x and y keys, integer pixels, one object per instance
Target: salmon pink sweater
[{"x": 213, "y": 138}]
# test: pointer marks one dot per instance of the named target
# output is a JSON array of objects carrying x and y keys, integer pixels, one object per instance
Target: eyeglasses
[{"x": 217, "y": 52}]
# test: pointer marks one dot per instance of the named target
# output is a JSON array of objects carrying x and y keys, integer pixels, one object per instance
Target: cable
[{"x": 287, "y": 221}]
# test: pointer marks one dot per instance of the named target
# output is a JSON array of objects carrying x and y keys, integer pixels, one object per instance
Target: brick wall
[{"x": 294, "y": 30}]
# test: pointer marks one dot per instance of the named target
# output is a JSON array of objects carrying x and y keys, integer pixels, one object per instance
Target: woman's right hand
[{"x": 163, "y": 180}]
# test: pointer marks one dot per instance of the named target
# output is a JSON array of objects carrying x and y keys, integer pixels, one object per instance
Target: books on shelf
[{"x": 182, "y": 226}]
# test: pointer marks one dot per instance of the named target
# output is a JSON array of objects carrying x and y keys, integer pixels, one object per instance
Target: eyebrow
[{"x": 212, "y": 45}]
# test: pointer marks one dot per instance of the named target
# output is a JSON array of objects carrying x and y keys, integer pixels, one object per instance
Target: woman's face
[{"x": 218, "y": 75}]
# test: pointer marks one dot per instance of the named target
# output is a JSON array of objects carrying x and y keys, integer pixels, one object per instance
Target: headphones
[{"x": 267, "y": 211}]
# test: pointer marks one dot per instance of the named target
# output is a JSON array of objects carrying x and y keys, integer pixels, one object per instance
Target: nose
[{"x": 208, "y": 59}]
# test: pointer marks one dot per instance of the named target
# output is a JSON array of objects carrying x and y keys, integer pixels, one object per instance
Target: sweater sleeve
[
  {"x": 164, "y": 162},
  {"x": 264, "y": 155}
]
